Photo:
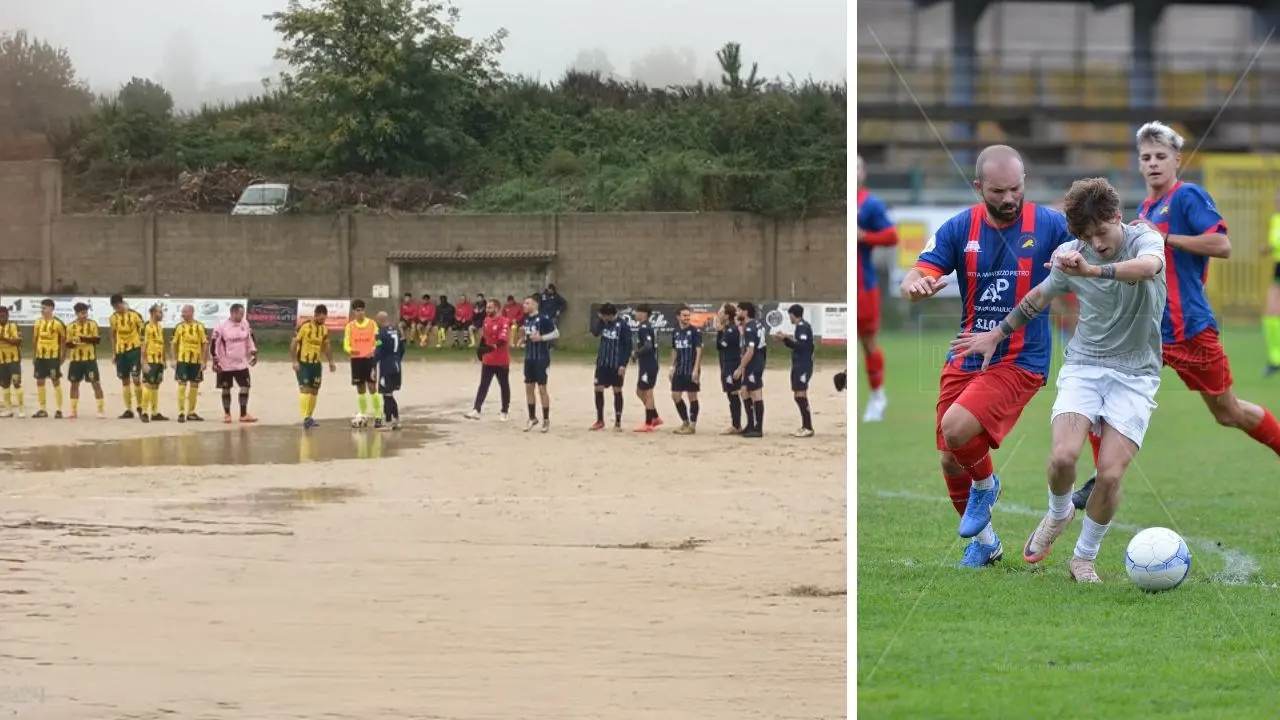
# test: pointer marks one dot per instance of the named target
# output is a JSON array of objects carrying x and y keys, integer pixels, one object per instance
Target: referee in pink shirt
[{"x": 234, "y": 351}]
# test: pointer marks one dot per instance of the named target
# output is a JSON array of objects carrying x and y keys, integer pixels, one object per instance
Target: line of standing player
[{"x": 1001, "y": 249}]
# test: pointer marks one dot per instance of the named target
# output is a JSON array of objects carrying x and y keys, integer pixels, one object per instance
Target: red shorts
[
  {"x": 996, "y": 397},
  {"x": 868, "y": 312},
  {"x": 1201, "y": 363}
]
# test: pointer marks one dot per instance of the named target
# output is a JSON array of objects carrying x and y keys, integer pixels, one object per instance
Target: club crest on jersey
[
  {"x": 1164, "y": 210},
  {"x": 1027, "y": 241},
  {"x": 972, "y": 246}
]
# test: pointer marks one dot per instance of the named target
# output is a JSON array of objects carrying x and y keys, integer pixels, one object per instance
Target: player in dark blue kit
[
  {"x": 612, "y": 358},
  {"x": 801, "y": 344},
  {"x": 686, "y": 371},
  {"x": 729, "y": 348},
  {"x": 389, "y": 357},
  {"x": 646, "y": 354},
  {"x": 1000, "y": 250},
  {"x": 536, "y": 334},
  {"x": 750, "y": 369}
]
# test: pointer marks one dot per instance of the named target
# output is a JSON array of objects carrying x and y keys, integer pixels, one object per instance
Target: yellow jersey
[
  {"x": 10, "y": 353},
  {"x": 49, "y": 335},
  {"x": 189, "y": 342},
  {"x": 153, "y": 343},
  {"x": 126, "y": 330},
  {"x": 78, "y": 332},
  {"x": 312, "y": 339},
  {"x": 1275, "y": 238}
]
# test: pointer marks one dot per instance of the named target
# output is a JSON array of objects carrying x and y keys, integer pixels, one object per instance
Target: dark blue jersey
[
  {"x": 646, "y": 346},
  {"x": 729, "y": 346},
  {"x": 801, "y": 344},
  {"x": 755, "y": 337},
  {"x": 686, "y": 342},
  {"x": 390, "y": 352},
  {"x": 538, "y": 351},
  {"x": 615, "y": 343}
]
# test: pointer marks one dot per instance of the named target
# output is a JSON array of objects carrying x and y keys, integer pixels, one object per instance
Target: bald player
[
  {"x": 875, "y": 229},
  {"x": 1000, "y": 249}
]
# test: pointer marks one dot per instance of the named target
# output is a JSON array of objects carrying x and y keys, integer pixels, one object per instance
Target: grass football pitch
[{"x": 1013, "y": 641}]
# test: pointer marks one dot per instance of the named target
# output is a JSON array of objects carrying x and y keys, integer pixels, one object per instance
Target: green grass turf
[{"x": 1016, "y": 642}]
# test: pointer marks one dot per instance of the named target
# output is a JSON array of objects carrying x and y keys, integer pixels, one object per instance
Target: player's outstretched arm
[
  {"x": 917, "y": 285},
  {"x": 1214, "y": 244},
  {"x": 985, "y": 343}
]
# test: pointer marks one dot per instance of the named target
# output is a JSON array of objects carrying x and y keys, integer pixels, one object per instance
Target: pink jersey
[{"x": 233, "y": 345}]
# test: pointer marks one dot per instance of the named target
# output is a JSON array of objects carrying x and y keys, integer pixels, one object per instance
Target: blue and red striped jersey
[
  {"x": 873, "y": 217},
  {"x": 996, "y": 268},
  {"x": 1185, "y": 210}
]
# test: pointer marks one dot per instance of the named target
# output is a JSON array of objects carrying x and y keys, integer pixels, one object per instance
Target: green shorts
[
  {"x": 48, "y": 369},
  {"x": 310, "y": 375},
  {"x": 129, "y": 363},
  {"x": 154, "y": 374},
  {"x": 83, "y": 371},
  {"x": 188, "y": 373},
  {"x": 11, "y": 374}
]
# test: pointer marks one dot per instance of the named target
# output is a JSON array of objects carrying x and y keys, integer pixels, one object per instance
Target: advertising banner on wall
[
  {"x": 339, "y": 312},
  {"x": 834, "y": 324},
  {"x": 208, "y": 312},
  {"x": 25, "y": 309},
  {"x": 269, "y": 314},
  {"x": 916, "y": 227}
]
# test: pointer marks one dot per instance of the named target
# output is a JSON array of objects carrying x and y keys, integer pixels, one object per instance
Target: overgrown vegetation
[{"x": 387, "y": 107}]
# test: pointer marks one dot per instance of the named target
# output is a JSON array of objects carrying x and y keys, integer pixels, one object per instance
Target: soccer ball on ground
[
  {"x": 359, "y": 421},
  {"x": 1157, "y": 559}
]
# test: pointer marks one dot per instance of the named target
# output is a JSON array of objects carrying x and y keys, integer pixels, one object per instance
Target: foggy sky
[{"x": 224, "y": 47}]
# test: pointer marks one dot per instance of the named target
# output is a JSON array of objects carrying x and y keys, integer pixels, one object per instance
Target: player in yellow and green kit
[
  {"x": 191, "y": 348},
  {"x": 308, "y": 347},
  {"x": 49, "y": 337},
  {"x": 10, "y": 364},
  {"x": 1271, "y": 321},
  {"x": 155, "y": 355},
  {"x": 126, "y": 336},
  {"x": 83, "y": 336}
]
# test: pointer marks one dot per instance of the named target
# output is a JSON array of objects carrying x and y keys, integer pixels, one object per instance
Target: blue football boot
[
  {"x": 977, "y": 555},
  {"x": 977, "y": 513}
]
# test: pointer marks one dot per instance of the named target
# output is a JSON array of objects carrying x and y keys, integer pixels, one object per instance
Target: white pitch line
[{"x": 1238, "y": 568}]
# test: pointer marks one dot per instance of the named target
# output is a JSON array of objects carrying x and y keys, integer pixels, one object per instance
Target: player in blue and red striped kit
[
  {"x": 999, "y": 250},
  {"x": 1194, "y": 231},
  {"x": 875, "y": 229}
]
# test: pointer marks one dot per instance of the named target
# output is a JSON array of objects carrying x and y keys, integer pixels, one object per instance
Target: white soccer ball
[
  {"x": 1157, "y": 559},
  {"x": 359, "y": 421}
]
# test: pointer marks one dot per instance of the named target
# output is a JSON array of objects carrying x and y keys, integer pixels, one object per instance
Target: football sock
[
  {"x": 244, "y": 403},
  {"x": 1091, "y": 534},
  {"x": 975, "y": 456},
  {"x": 533, "y": 411},
  {"x": 958, "y": 490},
  {"x": 155, "y": 401},
  {"x": 875, "y": 368},
  {"x": 57, "y": 397},
  {"x": 182, "y": 399},
  {"x": 42, "y": 396},
  {"x": 806, "y": 420},
  {"x": 101, "y": 402},
  {"x": 1059, "y": 506},
  {"x": 8, "y": 398},
  {"x": 312, "y": 400},
  {"x": 600, "y": 406},
  {"x": 1267, "y": 432},
  {"x": 146, "y": 400},
  {"x": 988, "y": 535},
  {"x": 546, "y": 413},
  {"x": 735, "y": 410},
  {"x": 226, "y": 401},
  {"x": 683, "y": 411},
  {"x": 75, "y": 405},
  {"x": 137, "y": 394},
  {"x": 1271, "y": 328},
  {"x": 376, "y": 399},
  {"x": 22, "y": 400},
  {"x": 759, "y": 408},
  {"x": 1095, "y": 443},
  {"x": 193, "y": 393},
  {"x": 362, "y": 402},
  {"x": 650, "y": 415},
  {"x": 392, "y": 406},
  {"x": 751, "y": 413},
  {"x": 617, "y": 407},
  {"x": 304, "y": 405},
  {"x": 694, "y": 407},
  {"x": 127, "y": 395}
]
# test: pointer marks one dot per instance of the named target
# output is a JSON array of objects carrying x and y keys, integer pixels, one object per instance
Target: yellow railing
[{"x": 1244, "y": 189}]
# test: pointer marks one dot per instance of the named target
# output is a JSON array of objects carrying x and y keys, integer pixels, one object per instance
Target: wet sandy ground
[{"x": 469, "y": 571}]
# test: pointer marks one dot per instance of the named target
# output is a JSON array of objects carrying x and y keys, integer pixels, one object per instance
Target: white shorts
[{"x": 1124, "y": 401}]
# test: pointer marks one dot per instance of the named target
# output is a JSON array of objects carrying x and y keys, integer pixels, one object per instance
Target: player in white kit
[{"x": 1111, "y": 373}]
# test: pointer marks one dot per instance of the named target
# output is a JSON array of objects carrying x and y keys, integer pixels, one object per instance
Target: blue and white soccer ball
[
  {"x": 359, "y": 421},
  {"x": 1157, "y": 559}
]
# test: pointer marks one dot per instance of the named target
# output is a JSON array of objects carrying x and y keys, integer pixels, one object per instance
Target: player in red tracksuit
[
  {"x": 408, "y": 317},
  {"x": 1194, "y": 232},
  {"x": 999, "y": 250},
  {"x": 875, "y": 229},
  {"x": 494, "y": 352}
]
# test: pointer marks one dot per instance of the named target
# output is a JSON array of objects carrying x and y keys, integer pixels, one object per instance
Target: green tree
[
  {"x": 386, "y": 82},
  {"x": 39, "y": 90},
  {"x": 730, "y": 59}
]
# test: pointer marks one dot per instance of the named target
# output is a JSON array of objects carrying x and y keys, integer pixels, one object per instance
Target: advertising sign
[
  {"x": 339, "y": 312},
  {"x": 208, "y": 312},
  {"x": 272, "y": 313},
  {"x": 916, "y": 227}
]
